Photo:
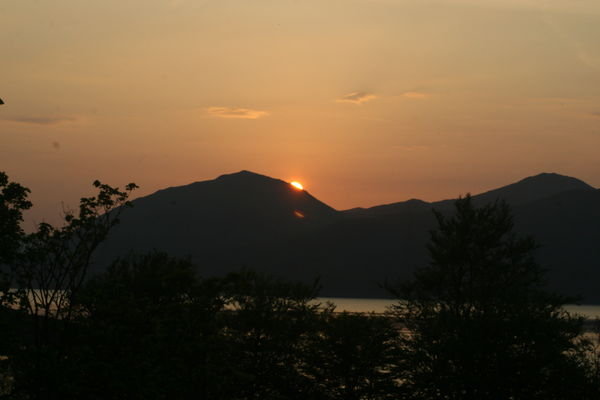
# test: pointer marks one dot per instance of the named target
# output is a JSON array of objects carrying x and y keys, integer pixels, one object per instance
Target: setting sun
[{"x": 297, "y": 185}]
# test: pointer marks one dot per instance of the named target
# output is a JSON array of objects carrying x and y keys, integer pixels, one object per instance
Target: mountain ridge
[
  {"x": 249, "y": 219},
  {"x": 512, "y": 193}
]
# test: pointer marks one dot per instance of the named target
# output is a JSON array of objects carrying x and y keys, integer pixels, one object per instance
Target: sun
[{"x": 297, "y": 185}]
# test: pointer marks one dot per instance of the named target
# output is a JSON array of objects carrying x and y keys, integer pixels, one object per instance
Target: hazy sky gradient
[{"x": 363, "y": 101}]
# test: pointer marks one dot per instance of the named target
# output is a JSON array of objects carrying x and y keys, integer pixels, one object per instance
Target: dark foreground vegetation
[{"x": 476, "y": 323}]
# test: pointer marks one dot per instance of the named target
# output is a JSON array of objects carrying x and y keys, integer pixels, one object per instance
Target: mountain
[
  {"x": 567, "y": 226},
  {"x": 247, "y": 219},
  {"x": 534, "y": 188},
  {"x": 217, "y": 222},
  {"x": 524, "y": 191},
  {"x": 560, "y": 212}
]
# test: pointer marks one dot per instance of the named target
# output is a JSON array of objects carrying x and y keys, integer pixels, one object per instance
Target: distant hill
[
  {"x": 247, "y": 219},
  {"x": 535, "y": 188},
  {"x": 567, "y": 226},
  {"x": 524, "y": 191},
  {"x": 218, "y": 222}
]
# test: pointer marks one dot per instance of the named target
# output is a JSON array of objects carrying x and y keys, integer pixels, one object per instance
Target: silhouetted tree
[
  {"x": 13, "y": 202},
  {"x": 267, "y": 331},
  {"x": 149, "y": 330},
  {"x": 590, "y": 342},
  {"x": 478, "y": 321},
  {"x": 55, "y": 261},
  {"x": 354, "y": 357},
  {"x": 45, "y": 275}
]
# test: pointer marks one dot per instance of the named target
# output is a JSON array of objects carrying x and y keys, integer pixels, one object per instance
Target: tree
[
  {"x": 152, "y": 329},
  {"x": 479, "y": 323},
  {"x": 13, "y": 201},
  {"x": 55, "y": 261},
  {"x": 149, "y": 331},
  {"x": 591, "y": 357},
  {"x": 354, "y": 356},
  {"x": 45, "y": 272},
  {"x": 267, "y": 332}
]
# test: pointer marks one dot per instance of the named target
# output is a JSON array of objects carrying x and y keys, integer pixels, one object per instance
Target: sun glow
[{"x": 297, "y": 185}]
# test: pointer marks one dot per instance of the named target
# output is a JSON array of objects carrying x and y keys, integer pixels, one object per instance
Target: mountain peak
[
  {"x": 552, "y": 178},
  {"x": 244, "y": 174},
  {"x": 534, "y": 188}
]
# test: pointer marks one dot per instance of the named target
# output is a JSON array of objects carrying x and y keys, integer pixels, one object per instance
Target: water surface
[{"x": 380, "y": 306}]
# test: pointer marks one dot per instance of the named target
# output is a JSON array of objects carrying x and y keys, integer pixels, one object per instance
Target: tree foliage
[
  {"x": 355, "y": 357},
  {"x": 149, "y": 331},
  {"x": 42, "y": 273},
  {"x": 13, "y": 201},
  {"x": 479, "y": 323},
  {"x": 267, "y": 333},
  {"x": 55, "y": 260}
]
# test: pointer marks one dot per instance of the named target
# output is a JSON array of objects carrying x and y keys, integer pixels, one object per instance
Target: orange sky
[{"x": 363, "y": 101}]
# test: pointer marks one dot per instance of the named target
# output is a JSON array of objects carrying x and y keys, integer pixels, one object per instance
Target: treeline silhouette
[{"x": 476, "y": 323}]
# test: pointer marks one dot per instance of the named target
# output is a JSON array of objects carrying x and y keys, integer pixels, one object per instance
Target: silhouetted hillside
[
  {"x": 535, "y": 188},
  {"x": 246, "y": 219},
  {"x": 221, "y": 221},
  {"x": 526, "y": 190},
  {"x": 412, "y": 205},
  {"x": 567, "y": 226}
]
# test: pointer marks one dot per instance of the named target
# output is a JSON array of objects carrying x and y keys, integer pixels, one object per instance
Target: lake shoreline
[{"x": 590, "y": 312}]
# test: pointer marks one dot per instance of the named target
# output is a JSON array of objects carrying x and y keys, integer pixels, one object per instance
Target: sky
[{"x": 364, "y": 102}]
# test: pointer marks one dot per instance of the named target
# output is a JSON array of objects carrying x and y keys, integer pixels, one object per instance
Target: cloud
[
  {"x": 357, "y": 98},
  {"x": 415, "y": 95},
  {"x": 35, "y": 120},
  {"x": 232, "y": 112}
]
